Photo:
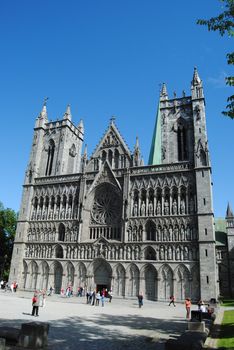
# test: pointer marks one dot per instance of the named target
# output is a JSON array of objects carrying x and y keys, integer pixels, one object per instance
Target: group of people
[
  {"x": 94, "y": 297},
  {"x": 12, "y": 287}
]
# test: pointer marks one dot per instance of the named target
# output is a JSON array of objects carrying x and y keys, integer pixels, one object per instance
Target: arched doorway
[
  {"x": 150, "y": 283},
  {"x": 58, "y": 275},
  {"x": 102, "y": 275}
]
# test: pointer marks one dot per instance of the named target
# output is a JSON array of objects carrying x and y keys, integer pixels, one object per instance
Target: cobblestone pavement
[{"x": 118, "y": 325}]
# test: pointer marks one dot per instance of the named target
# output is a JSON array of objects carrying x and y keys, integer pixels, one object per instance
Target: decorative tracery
[{"x": 106, "y": 208}]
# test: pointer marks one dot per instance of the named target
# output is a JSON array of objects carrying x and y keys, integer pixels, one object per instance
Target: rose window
[{"x": 106, "y": 207}]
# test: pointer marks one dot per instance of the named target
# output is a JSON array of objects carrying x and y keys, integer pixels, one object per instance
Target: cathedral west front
[{"x": 108, "y": 220}]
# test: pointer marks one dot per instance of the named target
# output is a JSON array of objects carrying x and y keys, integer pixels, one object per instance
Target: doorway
[{"x": 102, "y": 275}]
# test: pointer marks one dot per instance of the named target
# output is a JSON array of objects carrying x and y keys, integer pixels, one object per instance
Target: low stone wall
[
  {"x": 32, "y": 335},
  {"x": 197, "y": 332}
]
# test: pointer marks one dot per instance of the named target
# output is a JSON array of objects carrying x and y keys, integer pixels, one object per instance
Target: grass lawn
[
  {"x": 227, "y": 302},
  {"x": 226, "y": 339}
]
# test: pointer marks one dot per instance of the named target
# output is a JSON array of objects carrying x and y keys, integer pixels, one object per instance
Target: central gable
[
  {"x": 113, "y": 148},
  {"x": 105, "y": 175}
]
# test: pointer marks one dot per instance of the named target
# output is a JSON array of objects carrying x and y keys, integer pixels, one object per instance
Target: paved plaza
[{"x": 118, "y": 325}]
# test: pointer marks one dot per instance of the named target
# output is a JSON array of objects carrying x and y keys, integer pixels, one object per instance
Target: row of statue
[
  {"x": 149, "y": 210},
  {"x": 55, "y": 213},
  {"x": 50, "y": 235},
  {"x": 175, "y": 252},
  {"x": 159, "y": 233},
  {"x": 86, "y": 252}
]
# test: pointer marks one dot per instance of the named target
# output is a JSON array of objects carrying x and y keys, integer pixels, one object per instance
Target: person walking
[
  {"x": 188, "y": 307},
  {"x": 35, "y": 305},
  {"x": 172, "y": 300},
  {"x": 140, "y": 299}
]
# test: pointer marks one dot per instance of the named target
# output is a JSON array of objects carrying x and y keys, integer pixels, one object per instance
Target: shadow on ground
[{"x": 108, "y": 332}]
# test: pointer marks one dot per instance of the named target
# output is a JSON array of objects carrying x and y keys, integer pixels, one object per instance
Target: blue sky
[{"x": 105, "y": 58}]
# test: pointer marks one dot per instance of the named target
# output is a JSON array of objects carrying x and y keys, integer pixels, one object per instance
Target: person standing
[
  {"x": 98, "y": 297},
  {"x": 35, "y": 305},
  {"x": 172, "y": 300},
  {"x": 188, "y": 307},
  {"x": 140, "y": 299},
  {"x": 103, "y": 299}
]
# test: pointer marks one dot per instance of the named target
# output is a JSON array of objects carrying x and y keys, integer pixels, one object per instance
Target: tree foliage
[
  {"x": 224, "y": 24},
  {"x": 8, "y": 219}
]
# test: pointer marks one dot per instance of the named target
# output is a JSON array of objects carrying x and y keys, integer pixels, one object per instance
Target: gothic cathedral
[{"x": 109, "y": 221}]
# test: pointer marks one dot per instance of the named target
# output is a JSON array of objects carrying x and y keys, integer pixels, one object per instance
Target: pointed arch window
[
  {"x": 182, "y": 142},
  {"x": 50, "y": 157},
  {"x": 61, "y": 235},
  {"x": 110, "y": 156},
  {"x": 116, "y": 157},
  {"x": 103, "y": 156},
  {"x": 150, "y": 231},
  {"x": 203, "y": 157}
]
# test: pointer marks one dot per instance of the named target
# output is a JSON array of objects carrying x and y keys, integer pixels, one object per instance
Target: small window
[
  {"x": 207, "y": 279},
  {"x": 206, "y": 252},
  {"x": 206, "y": 231},
  {"x": 204, "y": 201}
]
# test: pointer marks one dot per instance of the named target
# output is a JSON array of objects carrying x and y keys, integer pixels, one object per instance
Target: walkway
[{"x": 116, "y": 326}]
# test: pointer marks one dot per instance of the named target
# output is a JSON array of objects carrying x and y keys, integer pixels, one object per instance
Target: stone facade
[
  {"x": 111, "y": 222},
  {"x": 224, "y": 232}
]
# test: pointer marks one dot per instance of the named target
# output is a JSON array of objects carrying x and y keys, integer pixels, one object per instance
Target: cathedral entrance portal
[
  {"x": 58, "y": 275},
  {"x": 102, "y": 275}
]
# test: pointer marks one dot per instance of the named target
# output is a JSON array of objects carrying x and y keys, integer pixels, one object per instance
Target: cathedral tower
[{"x": 56, "y": 151}]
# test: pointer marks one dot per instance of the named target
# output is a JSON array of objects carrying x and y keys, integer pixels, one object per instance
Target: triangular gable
[
  {"x": 112, "y": 137},
  {"x": 105, "y": 175},
  {"x": 101, "y": 240}
]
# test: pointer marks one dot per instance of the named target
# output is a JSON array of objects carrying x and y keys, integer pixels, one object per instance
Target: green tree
[
  {"x": 224, "y": 24},
  {"x": 8, "y": 219}
]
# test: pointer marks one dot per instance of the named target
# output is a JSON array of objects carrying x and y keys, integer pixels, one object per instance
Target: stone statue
[
  {"x": 143, "y": 209},
  {"x": 161, "y": 253},
  {"x": 135, "y": 209},
  {"x": 174, "y": 207},
  {"x": 191, "y": 205},
  {"x": 166, "y": 207},
  {"x": 182, "y": 206},
  {"x": 158, "y": 208},
  {"x": 169, "y": 253},
  {"x": 150, "y": 208},
  {"x": 185, "y": 253}
]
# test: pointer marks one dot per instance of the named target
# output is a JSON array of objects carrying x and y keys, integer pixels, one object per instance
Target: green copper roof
[{"x": 156, "y": 145}]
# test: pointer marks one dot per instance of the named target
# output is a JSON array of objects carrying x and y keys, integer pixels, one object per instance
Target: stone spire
[
  {"x": 196, "y": 86},
  {"x": 85, "y": 155},
  {"x": 155, "y": 156},
  {"x": 163, "y": 93},
  {"x": 67, "y": 114},
  {"x": 229, "y": 212},
  {"x": 84, "y": 159},
  {"x": 137, "y": 154},
  {"x": 43, "y": 117},
  {"x": 196, "y": 79},
  {"x": 43, "y": 113},
  {"x": 81, "y": 126}
]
